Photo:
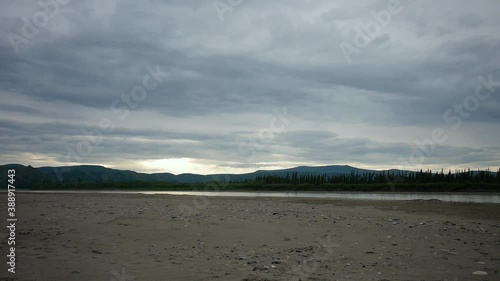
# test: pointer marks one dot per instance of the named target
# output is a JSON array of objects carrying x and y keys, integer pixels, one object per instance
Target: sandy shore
[{"x": 152, "y": 237}]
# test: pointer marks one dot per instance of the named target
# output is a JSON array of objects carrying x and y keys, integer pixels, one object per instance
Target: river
[{"x": 447, "y": 197}]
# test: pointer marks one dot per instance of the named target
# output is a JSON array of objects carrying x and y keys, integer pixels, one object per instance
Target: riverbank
[
  {"x": 475, "y": 197},
  {"x": 276, "y": 187},
  {"x": 163, "y": 237}
]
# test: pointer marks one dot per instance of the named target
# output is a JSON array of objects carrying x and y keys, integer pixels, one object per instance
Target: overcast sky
[{"x": 207, "y": 86}]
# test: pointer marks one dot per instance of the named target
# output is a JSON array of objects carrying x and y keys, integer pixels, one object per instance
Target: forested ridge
[{"x": 324, "y": 178}]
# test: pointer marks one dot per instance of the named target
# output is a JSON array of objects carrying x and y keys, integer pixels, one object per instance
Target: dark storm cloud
[{"x": 226, "y": 78}]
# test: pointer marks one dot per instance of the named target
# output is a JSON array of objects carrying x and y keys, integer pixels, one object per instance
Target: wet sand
[{"x": 161, "y": 237}]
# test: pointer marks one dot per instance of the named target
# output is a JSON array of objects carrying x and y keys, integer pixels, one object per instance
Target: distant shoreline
[
  {"x": 127, "y": 191},
  {"x": 473, "y": 197}
]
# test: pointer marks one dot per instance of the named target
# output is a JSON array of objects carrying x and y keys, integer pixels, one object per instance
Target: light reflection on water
[{"x": 448, "y": 197}]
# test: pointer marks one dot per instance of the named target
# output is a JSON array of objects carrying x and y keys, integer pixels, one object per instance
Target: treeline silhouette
[
  {"x": 465, "y": 176},
  {"x": 421, "y": 181}
]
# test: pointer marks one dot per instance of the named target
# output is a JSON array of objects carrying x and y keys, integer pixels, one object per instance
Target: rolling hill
[{"x": 27, "y": 176}]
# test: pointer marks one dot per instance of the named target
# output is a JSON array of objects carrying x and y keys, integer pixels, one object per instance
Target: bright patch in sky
[{"x": 172, "y": 165}]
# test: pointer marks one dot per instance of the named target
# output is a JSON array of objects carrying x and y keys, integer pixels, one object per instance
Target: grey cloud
[
  {"x": 470, "y": 21},
  {"x": 229, "y": 76}
]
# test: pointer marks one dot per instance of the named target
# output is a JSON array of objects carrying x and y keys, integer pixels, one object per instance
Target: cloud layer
[{"x": 250, "y": 84}]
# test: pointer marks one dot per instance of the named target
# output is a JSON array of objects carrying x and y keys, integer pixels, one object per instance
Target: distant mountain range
[{"x": 27, "y": 175}]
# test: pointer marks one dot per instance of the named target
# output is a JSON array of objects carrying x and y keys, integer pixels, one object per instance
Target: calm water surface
[{"x": 449, "y": 197}]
